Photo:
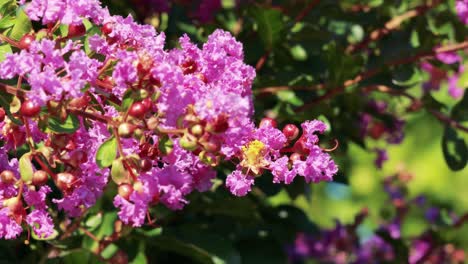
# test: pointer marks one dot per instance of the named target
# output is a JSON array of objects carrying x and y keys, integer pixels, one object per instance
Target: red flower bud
[
  {"x": 76, "y": 30},
  {"x": 146, "y": 165},
  {"x": 126, "y": 130},
  {"x": 377, "y": 130},
  {"x": 65, "y": 181},
  {"x": 25, "y": 41},
  {"x": 291, "y": 132},
  {"x": 137, "y": 110},
  {"x": 107, "y": 28},
  {"x": 125, "y": 190},
  {"x": 39, "y": 178},
  {"x": 29, "y": 109},
  {"x": 268, "y": 122},
  {"x": 7, "y": 177}
]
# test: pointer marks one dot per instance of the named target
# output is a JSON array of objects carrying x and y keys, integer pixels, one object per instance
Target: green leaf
[
  {"x": 22, "y": 25},
  {"x": 51, "y": 237},
  {"x": 455, "y": 149},
  {"x": 289, "y": 97},
  {"x": 107, "y": 153},
  {"x": 269, "y": 25},
  {"x": 407, "y": 76},
  {"x": 165, "y": 145},
  {"x": 189, "y": 250},
  {"x": 5, "y": 48},
  {"x": 119, "y": 173},
  {"x": 94, "y": 221},
  {"x": 26, "y": 167},
  {"x": 70, "y": 125},
  {"x": 460, "y": 110}
]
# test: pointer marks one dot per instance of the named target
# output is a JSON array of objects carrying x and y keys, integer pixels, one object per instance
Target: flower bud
[
  {"x": 65, "y": 181},
  {"x": 29, "y": 109},
  {"x": 2, "y": 114},
  {"x": 188, "y": 142},
  {"x": 152, "y": 123},
  {"x": 300, "y": 147},
  {"x": 146, "y": 165},
  {"x": 267, "y": 122},
  {"x": 16, "y": 207},
  {"x": 76, "y": 30},
  {"x": 125, "y": 190},
  {"x": 25, "y": 41},
  {"x": 39, "y": 178},
  {"x": 126, "y": 130},
  {"x": 377, "y": 130},
  {"x": 197, "y": 130},
  {"x": 107, "y": 28},
  {"x": 7, "y": 177},
  {"x": 291, "y": 132},
  {"x": 295, "y": 156},
  {"x": 219, "y": 125},
  {"x": 137, "y": 110},
  {"x": 80, "y": 102}
]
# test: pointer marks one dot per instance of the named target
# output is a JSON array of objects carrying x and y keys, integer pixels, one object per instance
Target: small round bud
[
  {"x": 65, "y": 181},
  {"x": 25, "y": 41},
  {"x": 295, "y": 156},
  {"x": 39, "y": 178},
  {"x": 80, "y": 102},
  {"x": 29, "y": 109},
  {"x": 7, "y": 177},
  {"x": 107, "y": 28},
  {"x": 152, "y": 123},
  {"x": 147, "y": 103},
  {"x": 197, "y": 130},
  {"x": 2, "y": 114},
  {"x": 268, "y": 122},
  {"x": 291, "y": 132},
  {"x": 137, "y": 110},
  {"x": 146, "y": 165},
  {"x": 76, "y": 30},
  {"x": 188, "y": 142},
  {"x": 126, "y": 130},
  {"x": 125, "y": 190},
  {"x": 212, "y": 147},
  {"x": 14, "y": 204},
  {"x": 377, "y": 130}
]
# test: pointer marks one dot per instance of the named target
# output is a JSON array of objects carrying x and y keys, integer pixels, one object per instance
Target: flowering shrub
[{"x": 160, "y": 123}]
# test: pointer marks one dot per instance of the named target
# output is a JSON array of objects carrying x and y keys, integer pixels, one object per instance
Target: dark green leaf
[
  {"x": 70, "y": 125},
  {"x": 269, "y": 25},
  {"x": 455, "y": 149}
]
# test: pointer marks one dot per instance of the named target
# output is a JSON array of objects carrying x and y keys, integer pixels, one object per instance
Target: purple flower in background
[
  {"x": 448, "y": 57},
  {"x": 382, "y": 156},
  {"x": 454, "y": 88},
  {"x": 436, "y": 76},
  {"x": 461, "y": 7}
]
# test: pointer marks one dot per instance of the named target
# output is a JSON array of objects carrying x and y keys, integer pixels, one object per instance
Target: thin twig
[
  {"x": 391, "y": 25},
  {"x": 370, "y": 73}
]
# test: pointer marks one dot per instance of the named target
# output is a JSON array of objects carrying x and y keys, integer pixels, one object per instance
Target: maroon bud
[
  {"x": 212, "y": 147},
  {"x": 107, "y": 28},
  {"x": 291, "y": 132},
  {"x": 25, "y": 41},
  {"x": 39, "y": 178},
  {"x": 65, "y": 181},
  {"x": 219, "y": 125},
  {"x": 125, "y": 190},
  {"x": 2, "y": 114},
  {"x": 137, "y": 110},
  {"x": 189, "y": 67},
  {"x": 146, "y": 165},
  {"x": 268, "y": 122},
  {"x": 78, "y": 157},
  {"x": 7, "y": 177},
  {"x": 147, "y": 103},
  {"x": 377, "y": 130},
  {"x": 80, "y": 102},
  {"x": 76, "y": 30},
  {"x": 16, "y": 208},
  {"x": 300, "y": 147},
  {"x": 29, "y": 109}
]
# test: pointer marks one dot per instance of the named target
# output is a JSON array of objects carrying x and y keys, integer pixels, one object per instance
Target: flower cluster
[
  {"x": 462, "y": 10},
  {"x": 437, "y": 75},
  {"x": 342, "y": 244},
  {"x": 117, "y": 107},
  {"x": 381, "y": 126}
]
